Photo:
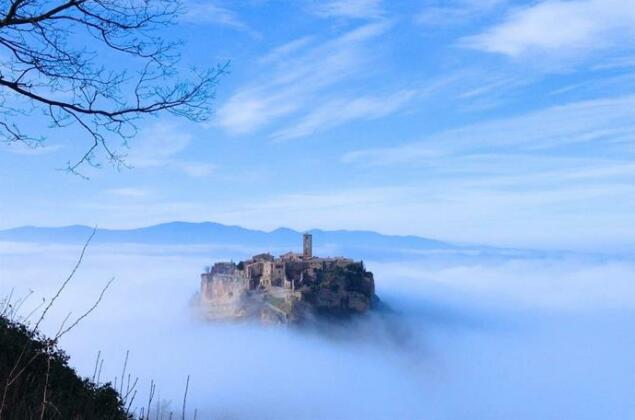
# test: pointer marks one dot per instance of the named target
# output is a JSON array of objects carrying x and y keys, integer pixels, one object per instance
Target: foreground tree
[{"x": 98, "y": 64}]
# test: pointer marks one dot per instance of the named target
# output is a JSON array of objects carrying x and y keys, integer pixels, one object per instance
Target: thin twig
[
  {"x": 150, "y": 396},
  {"x": 96, "y": 365},
  {"x": 123, "y": 372},
  {"x": 187, "y": 385},
  {"x": 91, "y": 309},
  {"x": 68, "y": 315},
  {"x": 68, "y": 279},
  {"x": 46, "y": 382},
  {"x": 101, "y": 365}
]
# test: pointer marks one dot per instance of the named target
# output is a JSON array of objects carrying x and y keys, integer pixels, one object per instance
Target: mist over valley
[{"x": 467, "y": 335}]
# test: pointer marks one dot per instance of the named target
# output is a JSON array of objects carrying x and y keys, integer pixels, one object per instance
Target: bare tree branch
[{"x": 53, "y": 60}]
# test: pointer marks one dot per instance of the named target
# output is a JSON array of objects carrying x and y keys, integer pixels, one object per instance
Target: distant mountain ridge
[
  {"x": 186, "y": 233},
  {"x": 353, "y": 243}
]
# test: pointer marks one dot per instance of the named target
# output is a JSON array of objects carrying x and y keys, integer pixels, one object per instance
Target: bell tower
[{"x": 307, "y": 248}]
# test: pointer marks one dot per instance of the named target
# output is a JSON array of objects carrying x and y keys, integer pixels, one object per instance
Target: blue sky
[{"x": 498, "y": 122}]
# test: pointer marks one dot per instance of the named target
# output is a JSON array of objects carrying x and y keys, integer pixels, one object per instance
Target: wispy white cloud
[
  {"x": 210, "y": 12},
  {"x": 490, "y": 85},
  {"x": 195, "y": 169},
  {"x": 354, "y": 9},
  {"x": 129, "y": 192},
  {"x": 157, "y": 147},
  {"x": 611, "y": 121},
  {"x": 30, "y": 150},
  {"x": 562, "y": 27},
  {"x": 566, "y": 169},
  {"x": 293, "y": 84},
  {"x": 455, "y": 12},
  {"x": 340, "y": 111},
  {"x": 620, "y": 62},
  {"x": 286, "y": 50}
]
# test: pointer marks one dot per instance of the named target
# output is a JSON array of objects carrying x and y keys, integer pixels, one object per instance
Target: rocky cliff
[{"x": 339, "y": 291}]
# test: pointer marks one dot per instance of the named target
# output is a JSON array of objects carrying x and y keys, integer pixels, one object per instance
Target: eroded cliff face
[{"x": 340, "y": 291}]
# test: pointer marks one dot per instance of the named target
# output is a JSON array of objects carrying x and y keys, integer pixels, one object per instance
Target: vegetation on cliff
[
  {"x": 340, "y": 291},
  {"x": 37, "y": 381}
]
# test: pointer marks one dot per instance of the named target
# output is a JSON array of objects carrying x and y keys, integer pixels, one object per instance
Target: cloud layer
[
  {"x": 471, "y": 337},
  {"x": 562, "y": 27}
]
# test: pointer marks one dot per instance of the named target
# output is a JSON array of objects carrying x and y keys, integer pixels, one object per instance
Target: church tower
[{"x": 307, "y": 249}]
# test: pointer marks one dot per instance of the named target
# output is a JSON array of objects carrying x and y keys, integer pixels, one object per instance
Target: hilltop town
[{"x": 290, "y": 288}]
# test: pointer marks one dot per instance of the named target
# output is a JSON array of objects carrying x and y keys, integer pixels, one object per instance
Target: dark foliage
[
  {"x": 351, "y": 279},
  {"x": 41, "y": 365}
]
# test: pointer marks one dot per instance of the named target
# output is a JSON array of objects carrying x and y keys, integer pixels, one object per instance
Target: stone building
[{"x": 227, "y": 281}]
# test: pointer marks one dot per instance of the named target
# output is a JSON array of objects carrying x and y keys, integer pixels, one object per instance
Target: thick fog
[{"x": 497, "y": 338}]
